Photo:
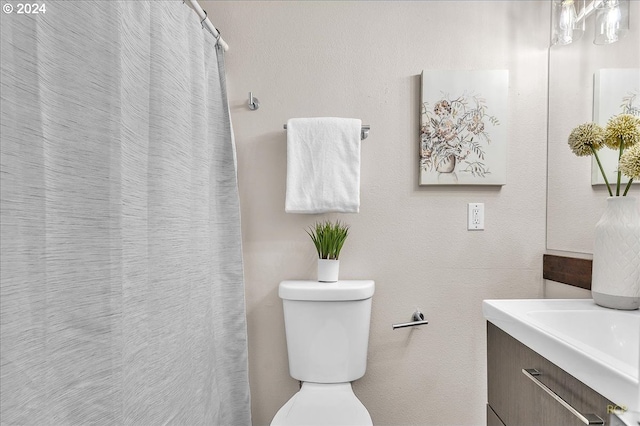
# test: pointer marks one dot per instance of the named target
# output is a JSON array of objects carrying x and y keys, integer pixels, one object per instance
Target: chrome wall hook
[
  {"x": 254, "y": 103},
  {"x": 416, "y": 319}
]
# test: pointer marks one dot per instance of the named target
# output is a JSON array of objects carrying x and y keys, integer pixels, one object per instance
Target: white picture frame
[{"x": 463, "y": 127}]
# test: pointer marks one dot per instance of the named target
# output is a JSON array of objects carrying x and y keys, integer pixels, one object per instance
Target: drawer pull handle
[{"x": 587, "y": 419}]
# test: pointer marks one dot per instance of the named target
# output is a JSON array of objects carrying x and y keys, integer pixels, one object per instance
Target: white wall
[
  {"x": 554, "y": 290},
  {"x": 363, "y": 59}
]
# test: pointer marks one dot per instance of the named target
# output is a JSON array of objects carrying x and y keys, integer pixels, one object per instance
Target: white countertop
[{"x": 598, "y": 346}]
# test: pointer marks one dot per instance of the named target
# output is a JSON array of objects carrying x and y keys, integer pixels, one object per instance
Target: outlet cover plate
[{"x": 475, "y": 216}]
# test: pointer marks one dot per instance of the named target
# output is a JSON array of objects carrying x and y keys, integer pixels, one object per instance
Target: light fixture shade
[
  {"x": 612, "y": 21},
  {"x": 567, "y": 24}
]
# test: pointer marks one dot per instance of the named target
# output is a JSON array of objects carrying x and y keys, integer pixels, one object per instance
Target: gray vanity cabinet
[{"x": 515, "y": 400}]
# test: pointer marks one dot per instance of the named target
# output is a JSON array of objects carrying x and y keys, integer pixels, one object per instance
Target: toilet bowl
[
  {"x": 327, "y": 332},
  {"x": 326, "y": 404}
]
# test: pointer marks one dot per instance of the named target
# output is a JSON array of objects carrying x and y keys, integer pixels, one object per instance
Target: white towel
[{"x": 323, "y": 165}]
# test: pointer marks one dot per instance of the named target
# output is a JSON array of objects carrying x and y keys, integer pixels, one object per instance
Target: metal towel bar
[{"x": 364, "y": 132}]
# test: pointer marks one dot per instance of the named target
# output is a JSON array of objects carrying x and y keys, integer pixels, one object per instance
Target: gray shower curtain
[{"x": 122, "y": 298}]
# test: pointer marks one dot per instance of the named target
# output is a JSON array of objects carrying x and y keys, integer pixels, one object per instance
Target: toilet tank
[{"x": 327, "y": 329}]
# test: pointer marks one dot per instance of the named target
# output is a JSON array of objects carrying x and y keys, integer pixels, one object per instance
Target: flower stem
[
  {"x": 628, "y": 186},
  {"x": 604, "y": 175},
  {"x": 619, "y": 172}
]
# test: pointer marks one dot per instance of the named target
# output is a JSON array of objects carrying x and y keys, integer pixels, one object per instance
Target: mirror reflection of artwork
[
  {"x": 463, "y": 127},
  {"x": 616, "y": 91}
]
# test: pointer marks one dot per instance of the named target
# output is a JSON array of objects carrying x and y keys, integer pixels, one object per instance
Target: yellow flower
[
  {"x": 630, "y": 162},
  {"x": 623, "y": 127},
  {"x": 584, "y": 137}
]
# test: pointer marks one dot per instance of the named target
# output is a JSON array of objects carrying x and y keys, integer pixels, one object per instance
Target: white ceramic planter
[
  {"x": 328, "y": 270},
  {"x": 615, "y": 280}
]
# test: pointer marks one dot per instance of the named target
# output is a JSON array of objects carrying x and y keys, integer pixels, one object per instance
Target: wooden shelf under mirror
[{"x": 567, "y": 270}]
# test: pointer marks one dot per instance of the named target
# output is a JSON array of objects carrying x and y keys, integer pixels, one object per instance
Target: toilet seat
[{"x": 323, "y": 404}]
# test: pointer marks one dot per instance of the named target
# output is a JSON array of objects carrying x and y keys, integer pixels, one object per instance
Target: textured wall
[{"x": 363, "y": 59}]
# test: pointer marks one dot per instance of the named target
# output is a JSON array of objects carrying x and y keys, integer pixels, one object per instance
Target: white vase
[
  {"x": 328, "y": 270},
  {"x": 615, "y": 279}
]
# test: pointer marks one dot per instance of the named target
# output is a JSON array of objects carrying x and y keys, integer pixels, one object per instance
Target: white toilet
[{"x": 327, "y": 329}]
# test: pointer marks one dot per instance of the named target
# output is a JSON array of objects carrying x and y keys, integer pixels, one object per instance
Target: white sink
[{"x": 598, "y": 346}]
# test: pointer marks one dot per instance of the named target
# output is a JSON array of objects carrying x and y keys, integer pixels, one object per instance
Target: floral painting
[
  {"x": 463, "y": 127},
  {"x": 616, "y": 91}
]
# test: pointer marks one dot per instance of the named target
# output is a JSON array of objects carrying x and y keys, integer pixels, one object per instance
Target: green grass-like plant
[{"x": 328, "y": 237}]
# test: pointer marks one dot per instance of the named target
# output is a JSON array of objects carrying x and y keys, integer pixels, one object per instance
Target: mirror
[{"x": 573, "y": 204}]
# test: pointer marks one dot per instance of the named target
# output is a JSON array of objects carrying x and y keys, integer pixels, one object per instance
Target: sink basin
[
  {"x": 598, "y": 346},
  {"x": 610, "y": 335}
]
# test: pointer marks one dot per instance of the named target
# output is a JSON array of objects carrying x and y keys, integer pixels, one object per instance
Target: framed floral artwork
[
  {"x": 463, "y": 127},
  {"x": 615, "y": 91}
]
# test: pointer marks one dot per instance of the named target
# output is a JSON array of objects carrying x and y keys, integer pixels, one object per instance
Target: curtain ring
[
  {"x": 219, "y": 34},
  {"x": 203, "y": 19}
]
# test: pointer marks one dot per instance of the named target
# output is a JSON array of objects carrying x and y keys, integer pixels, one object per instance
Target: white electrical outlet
[{"x": 475, "y": 216}]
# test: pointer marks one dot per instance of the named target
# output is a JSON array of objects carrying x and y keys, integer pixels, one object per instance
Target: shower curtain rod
[{"x": 206, "y": 23}]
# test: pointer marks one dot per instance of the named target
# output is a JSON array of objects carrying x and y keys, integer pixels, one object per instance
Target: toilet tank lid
[{"x": 314, "y": 290}]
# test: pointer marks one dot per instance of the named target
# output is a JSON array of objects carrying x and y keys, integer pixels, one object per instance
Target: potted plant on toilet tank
[{"x": 328, "y": 237}]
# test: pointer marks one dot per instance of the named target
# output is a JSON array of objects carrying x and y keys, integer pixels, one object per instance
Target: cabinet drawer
[
  {"x": 492, "y": 418},
  {"x": 518, "y": 401}
]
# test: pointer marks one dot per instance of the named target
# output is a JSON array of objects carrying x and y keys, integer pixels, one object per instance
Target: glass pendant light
[
  {"x": 567, "y": 27},
  {"x": 612, "y": 21}
]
